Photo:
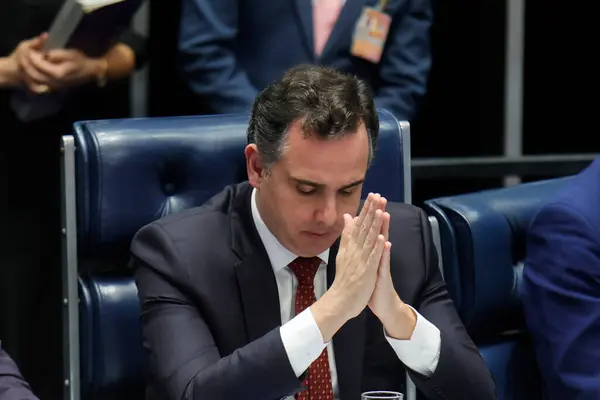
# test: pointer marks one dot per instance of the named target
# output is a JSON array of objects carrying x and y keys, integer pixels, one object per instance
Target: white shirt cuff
[
  {"x": 302, "y": 340},
  {"x": 421, "y": 352}
]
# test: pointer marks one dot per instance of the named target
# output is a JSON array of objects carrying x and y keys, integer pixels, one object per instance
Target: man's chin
[{"x": 314, "y": 244}]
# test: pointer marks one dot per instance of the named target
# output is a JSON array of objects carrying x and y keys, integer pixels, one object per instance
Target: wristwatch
[{"x": 101, "y": 79}]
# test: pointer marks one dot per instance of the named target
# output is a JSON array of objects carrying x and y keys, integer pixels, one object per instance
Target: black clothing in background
[{"x": 30, "y": 263}]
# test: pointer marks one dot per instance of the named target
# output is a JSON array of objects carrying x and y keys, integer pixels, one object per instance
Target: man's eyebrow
[
  {"x": 306, "y": 182},
  {"x": 320, "y": 185},
  {"x": 351, "y": 185}
]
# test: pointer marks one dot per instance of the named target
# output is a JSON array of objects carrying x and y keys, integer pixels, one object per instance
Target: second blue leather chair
[{"x": 482, "y": 237}]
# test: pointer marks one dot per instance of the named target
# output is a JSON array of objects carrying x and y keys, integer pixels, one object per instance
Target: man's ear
[{"x": 254, "y": 165}]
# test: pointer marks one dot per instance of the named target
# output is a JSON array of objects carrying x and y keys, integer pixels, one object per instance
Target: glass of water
[{"x": 382, "y": 395}]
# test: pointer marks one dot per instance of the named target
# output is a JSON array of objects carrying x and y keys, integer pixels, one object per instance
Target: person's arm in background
[
  {"x": 138, "y": 44},
  {"x": 561, "y": 300},
  {"x": 206, "y": 45},
  {"x": 12, "y": 384},
  {"x": 9, "y": 72},
  {"x": 406, "y": 61},
  {"x": 62, "y": 68}
]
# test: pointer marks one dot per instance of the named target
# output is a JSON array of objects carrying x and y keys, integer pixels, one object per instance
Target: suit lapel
[
  {"x": 256, "y": 280},
  {"x": 258, "y": 289},
  {"x": 260, "y": 299},
  {"x": 348, "y": 344},
  {"x": 303, "y": 10},
  {"x": 344, "y": 25}
]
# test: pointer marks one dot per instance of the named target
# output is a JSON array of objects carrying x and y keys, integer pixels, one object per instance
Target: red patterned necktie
[{"x": 318, "y": 378}]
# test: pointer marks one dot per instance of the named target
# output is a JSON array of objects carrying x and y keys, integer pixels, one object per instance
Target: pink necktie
[{"x": 325, "y": 13}]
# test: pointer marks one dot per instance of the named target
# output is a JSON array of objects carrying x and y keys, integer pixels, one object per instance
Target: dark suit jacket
[
  {"x": 232, "y": 49},
  {"x": 12, "y": 384},
  {"x": 561, "y": 288},
  {"x": 211, "y": 315}
]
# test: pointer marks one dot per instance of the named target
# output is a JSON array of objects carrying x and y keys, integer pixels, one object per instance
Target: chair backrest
[
  {"x": 119, "y": 175},
  {"x": 482, "y": 238}
]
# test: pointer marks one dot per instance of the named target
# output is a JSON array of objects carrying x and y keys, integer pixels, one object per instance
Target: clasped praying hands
[{"x": 363, "y": 277}]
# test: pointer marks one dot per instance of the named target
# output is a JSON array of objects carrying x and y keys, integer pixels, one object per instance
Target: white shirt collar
[{"x": 279, "y": 256}]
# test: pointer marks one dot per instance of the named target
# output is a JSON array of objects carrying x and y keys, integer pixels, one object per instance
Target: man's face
[{"x": 310, "y": 187}]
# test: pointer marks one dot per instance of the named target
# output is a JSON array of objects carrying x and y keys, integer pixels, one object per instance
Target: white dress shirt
[{"x": 300, "y": 334}]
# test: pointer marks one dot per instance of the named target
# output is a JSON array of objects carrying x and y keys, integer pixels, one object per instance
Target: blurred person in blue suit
[
  {"x": 232, "y": 49},
  {"x": 561, "y": 288},
  {"x": 12, "y": 384}
]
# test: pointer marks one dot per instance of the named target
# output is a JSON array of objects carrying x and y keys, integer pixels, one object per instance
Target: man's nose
[{"x": 327, "y": 213}]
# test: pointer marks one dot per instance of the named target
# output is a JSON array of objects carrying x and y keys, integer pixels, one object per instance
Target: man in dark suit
[
  {"x": 255, "y": 295},
  {"x": 561, "y": 288},
  {"x": 12, "y": 384},
  {"x": 232, "y": 49}
]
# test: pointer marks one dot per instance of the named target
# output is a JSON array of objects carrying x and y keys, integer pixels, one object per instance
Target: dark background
[{"x": 462, "y": 114}]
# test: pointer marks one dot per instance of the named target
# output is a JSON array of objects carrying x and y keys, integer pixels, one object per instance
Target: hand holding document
[{"x": 89, "y": 28}]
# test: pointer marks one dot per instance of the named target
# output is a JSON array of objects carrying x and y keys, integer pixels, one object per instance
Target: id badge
[{"x": 370, "y": 34}]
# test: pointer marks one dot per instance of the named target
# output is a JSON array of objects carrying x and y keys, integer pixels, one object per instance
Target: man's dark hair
[{"x": 329, "y": 104}]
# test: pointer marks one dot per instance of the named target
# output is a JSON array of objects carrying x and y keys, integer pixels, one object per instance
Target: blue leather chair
[
  {"x": 482, "y": 241},
  {"x": 119, "y": 175}
]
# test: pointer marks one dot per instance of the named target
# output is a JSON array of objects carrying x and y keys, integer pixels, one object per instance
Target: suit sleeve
[
  {"x": 184, "y": 358},
  {"x": 207, "y": 46},
  {"x": 561, "y": 300},
  {"x": 405, "y": 63},
  {"x": 12, "y": 384},
  {"x": 461, "y": 372}
]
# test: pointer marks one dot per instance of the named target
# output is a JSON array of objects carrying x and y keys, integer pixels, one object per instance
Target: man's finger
[
  {"x": 380, "y": 203},
  {"x": 365, "y": 209},
  {"x": 383, "y": 203},
  {"x": 347, "y": 232},
  {"x": 374, "y": 232},
  {"x": 385, "y": 225},
  {"x": 384, "y": 265},
  {"x": 376, "y": 253},
  {"x": 364, "y": 226}
]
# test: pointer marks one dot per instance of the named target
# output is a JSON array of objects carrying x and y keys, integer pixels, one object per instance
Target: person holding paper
[
  {"x": 62, "y": 68},
  {"x": 30, "y": 174},
  {"x": 10, "y": 76},
  {"x": 276, "y": 288}
]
